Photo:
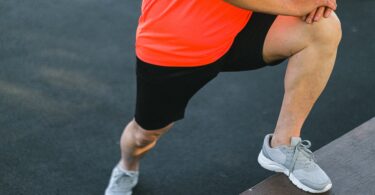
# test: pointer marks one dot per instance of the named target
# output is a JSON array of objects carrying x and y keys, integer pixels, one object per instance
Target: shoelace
[{"x": 302, "y": 148}]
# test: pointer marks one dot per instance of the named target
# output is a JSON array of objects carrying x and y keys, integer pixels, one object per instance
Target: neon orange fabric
[{"x": 187, "y": 33}]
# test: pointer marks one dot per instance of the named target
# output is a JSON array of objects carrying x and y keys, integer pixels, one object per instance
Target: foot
[
  {"x": 122, "y": 181},
  {"x": 297, "y": 162}
]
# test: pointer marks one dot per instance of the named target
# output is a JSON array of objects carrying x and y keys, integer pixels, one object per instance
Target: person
[{"x": 181, "y": 45}]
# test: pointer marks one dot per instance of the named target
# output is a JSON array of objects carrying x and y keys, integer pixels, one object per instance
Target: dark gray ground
[{"x": 67, "y": 89}]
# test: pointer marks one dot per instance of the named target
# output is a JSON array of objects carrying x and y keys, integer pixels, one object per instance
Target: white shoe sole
[
  {"x": 274, "y": 166},
  {"x": 107, "y": 192}
]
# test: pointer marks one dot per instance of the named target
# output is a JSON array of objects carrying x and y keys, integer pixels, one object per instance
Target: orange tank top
[{"x": 187, "y": 33}]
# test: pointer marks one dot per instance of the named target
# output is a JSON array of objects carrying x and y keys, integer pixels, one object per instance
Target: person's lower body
[
  {"x": 164, "y": 92},
  {"x": 312, "y": 50}
]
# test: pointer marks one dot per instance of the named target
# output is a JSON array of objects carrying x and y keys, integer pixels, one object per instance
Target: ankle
[
  {"x": 276, "y": 141},
  {"x": 129, "y": 166}
]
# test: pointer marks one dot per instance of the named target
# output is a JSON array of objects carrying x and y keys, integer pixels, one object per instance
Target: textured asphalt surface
[{"x": 67, "y": 89}]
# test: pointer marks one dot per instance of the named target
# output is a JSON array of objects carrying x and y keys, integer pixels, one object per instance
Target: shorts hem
[{"x": 150, "y": 126}]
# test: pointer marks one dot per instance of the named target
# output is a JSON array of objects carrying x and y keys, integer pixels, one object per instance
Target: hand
[
  {"x": 320, "y": 7},
  {"x": 327, "y": 11},
  {"x": 317, "y": 14}
]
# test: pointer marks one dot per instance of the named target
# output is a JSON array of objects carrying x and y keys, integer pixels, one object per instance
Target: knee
[
  {"x": 327, "y": 31},
  {"x": 143, "y": 137}
]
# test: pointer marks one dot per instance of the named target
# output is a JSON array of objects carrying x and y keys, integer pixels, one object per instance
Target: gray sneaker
[
  {"x": 297, "y": 162},
  {"x": 122, "y": 181}
]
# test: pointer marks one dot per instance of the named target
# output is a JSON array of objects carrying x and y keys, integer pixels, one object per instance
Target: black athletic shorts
[{"x": 163, "y": 92}]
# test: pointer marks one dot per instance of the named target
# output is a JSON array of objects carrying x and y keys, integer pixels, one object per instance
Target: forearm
[
  {"x": 277, "y": 7},
  {"x": 283, "y": 7}
]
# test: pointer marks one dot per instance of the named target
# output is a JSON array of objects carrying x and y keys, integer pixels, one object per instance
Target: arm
[{"x": 283, "y": 7}]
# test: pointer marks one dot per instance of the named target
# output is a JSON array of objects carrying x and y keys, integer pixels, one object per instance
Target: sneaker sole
[
  {"x": 107, "y": 192},
  {"x": 274, "y": 166}
]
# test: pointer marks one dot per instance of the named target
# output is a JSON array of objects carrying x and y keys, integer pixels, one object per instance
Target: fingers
[
  {"x": 310, "y": 17},
  {"x": 331, "y": 4},
  {"x": 324, "y": 10},
  {"x": 328, "y": 3},
  {"x": 319, "y": 14},
  {"x": 327, "y": 12}
]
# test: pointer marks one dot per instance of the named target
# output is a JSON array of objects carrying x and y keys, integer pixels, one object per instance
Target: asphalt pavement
[{"x": 67, "y": 89}]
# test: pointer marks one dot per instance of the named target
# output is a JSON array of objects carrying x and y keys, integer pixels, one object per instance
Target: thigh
[
  {"x": 164, "y": 92},
  {"x": 287, "y": 36},
  {"x": 246, "y": 52}
]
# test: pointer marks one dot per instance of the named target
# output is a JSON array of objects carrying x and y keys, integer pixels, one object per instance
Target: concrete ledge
[{"x": 348, "y": 160}]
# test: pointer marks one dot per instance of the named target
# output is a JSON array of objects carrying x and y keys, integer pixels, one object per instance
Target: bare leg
[
  {"x": 136, "y": 142},
  {"x": 312, "y": 50}
]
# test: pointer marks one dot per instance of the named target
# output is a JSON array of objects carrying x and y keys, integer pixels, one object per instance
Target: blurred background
[{"x": 67, "y": 89}]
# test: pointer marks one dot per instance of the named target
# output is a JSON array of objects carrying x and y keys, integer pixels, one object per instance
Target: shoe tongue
[{"x": 294, "y": 141}]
